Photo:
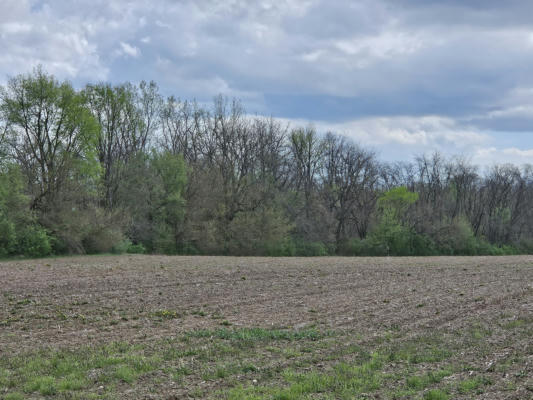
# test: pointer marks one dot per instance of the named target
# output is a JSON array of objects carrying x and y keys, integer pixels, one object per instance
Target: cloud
[
  {"x": 417, "y": 74},
  {"x": 29, "y": 38},
  {"x": 129, "y": 50},
  {"x": 510, "y": 155},
  {"x": 402, "y": 137},
  {"x": 410, "y": 131}
]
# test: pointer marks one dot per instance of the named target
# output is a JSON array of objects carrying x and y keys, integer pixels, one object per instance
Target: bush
[
  {"x": 163, "y": 242},
  {"x": 121, "y": 247},
  {"x": 126, "y": 246},
  {"x": 525, "y": 246},
  {"x": 136, "y": 249},
  {"x": 457, "y": 238},
  {"x": 7, "y": 237},
  {"x": 310, "y": 249},
  {"x": 33, "y": 241},
  {"x": 188, "y": 249},
  {"x": 280, "y": 248},
  {"x": 102, "y": 240},
  {"x": 422, "y": 245},
  {"x": 395, "y": 242},
  {"x": 259, "y": 232}
]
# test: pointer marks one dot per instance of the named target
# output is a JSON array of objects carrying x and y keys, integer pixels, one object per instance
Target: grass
[
  {"x": 436, "y": 394},
  {"x": 45, "y": 385},
  {"x": 126, "y": 374},
  {"x": 421, "y": 382},
  {"x": 282, "y": 363},
  {"x": 49, "y": 372},
  {"x": 258, "y": 334},
  {"x": 343, "y": 382},
  {"x": 474, "y": 384},
  {"x": 14, "y": 396},
  {"x": 258, "y": 363},
  {"x": 166, "y": 314}
]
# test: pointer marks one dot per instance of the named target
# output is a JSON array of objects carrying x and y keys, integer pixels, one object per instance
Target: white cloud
[
  {"x": 402, "y": 138},
  {"x": 384, "y": 45},
  {"x": 129, "y": 50},
  {"x": 512, "y": 155},
  {"x": 11, "y": 28},
  {"x": 416, "y": 132},
  {"x": 29, "y": 38}
]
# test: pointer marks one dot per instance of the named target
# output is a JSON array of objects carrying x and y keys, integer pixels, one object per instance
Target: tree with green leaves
[
  {"x": 19, "y": 231},
  {"x": 394, "y": 230},
  {"x": 169, "y": 210},
  {"x": 394, "y": 203},
  {"x": 51, "y": 132}
]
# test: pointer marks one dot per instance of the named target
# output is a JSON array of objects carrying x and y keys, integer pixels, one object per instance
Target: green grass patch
[
  {"x": 417, "y": 353},
  {"x": 419, "y": 382},
  {"x": 436, "y": 394},
  {"x": 126, "y": 374},
  {"x": 344, "y": 381},
  {"x": 285, "y": 364},
  {"x": 50, "y": 372},
  {"x": 14, "y": 396},
  {"x": 45, "y": 385},
  {"x": 474, "y": 384}
]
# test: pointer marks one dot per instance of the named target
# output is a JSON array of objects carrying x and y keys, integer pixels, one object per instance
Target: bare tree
[{"x": 349, "y": 180}]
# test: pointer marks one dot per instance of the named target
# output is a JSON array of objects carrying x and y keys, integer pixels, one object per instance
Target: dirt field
[{"x": 157, "y": 327}]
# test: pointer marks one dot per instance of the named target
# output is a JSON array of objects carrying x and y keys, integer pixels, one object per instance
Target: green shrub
[
  {"x": 126, "y": 246},
  {"x": 136, "y": 249},
  {"x": 8, "y": 238},
  {"x": 58, "y": 245},
  {"x": 264, "y": 231},
  {"x": 102, "y": 240},
  {"x": 280, "y": 248},
  {"x": 525, "y": 246},
  {"x": 422, "y": 245},
  {"x": 188, "y": 249},
  {"x": 403, "y": 242},
  {"x": 358, "y": 247},
  {"x": 121, "y": 247},
  {"x": 457, "y": 238},
  {"x": 33, "y": 241},
  {"x": 310, "y": 249}
]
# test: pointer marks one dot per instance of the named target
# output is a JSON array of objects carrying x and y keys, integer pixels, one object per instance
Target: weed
[
  {"x": 14, "y": 396},
  {"x": 125, "y": 374},
  {"x": 470, "y": 385},
  {"x": 516, "y": 323},
  {"x": 45, "y": 385},
  {"x": 435, "y": 394},
  {"x": 166, "y": 314},
  {"x": 199, "y": 313},
  {"x": 257, "y": 334}
]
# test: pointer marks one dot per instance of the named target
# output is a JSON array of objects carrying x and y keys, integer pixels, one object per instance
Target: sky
[{"x": 401, "y": 77}]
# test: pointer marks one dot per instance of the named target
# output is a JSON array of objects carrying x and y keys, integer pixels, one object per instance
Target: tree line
[{"x": 120, "y": 168}]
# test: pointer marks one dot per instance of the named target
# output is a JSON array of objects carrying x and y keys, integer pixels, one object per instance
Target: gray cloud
[{"x": 342, "y": 62}]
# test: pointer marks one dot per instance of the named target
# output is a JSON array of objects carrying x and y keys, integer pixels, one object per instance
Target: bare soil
[{"x": 74, "y": 301}]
